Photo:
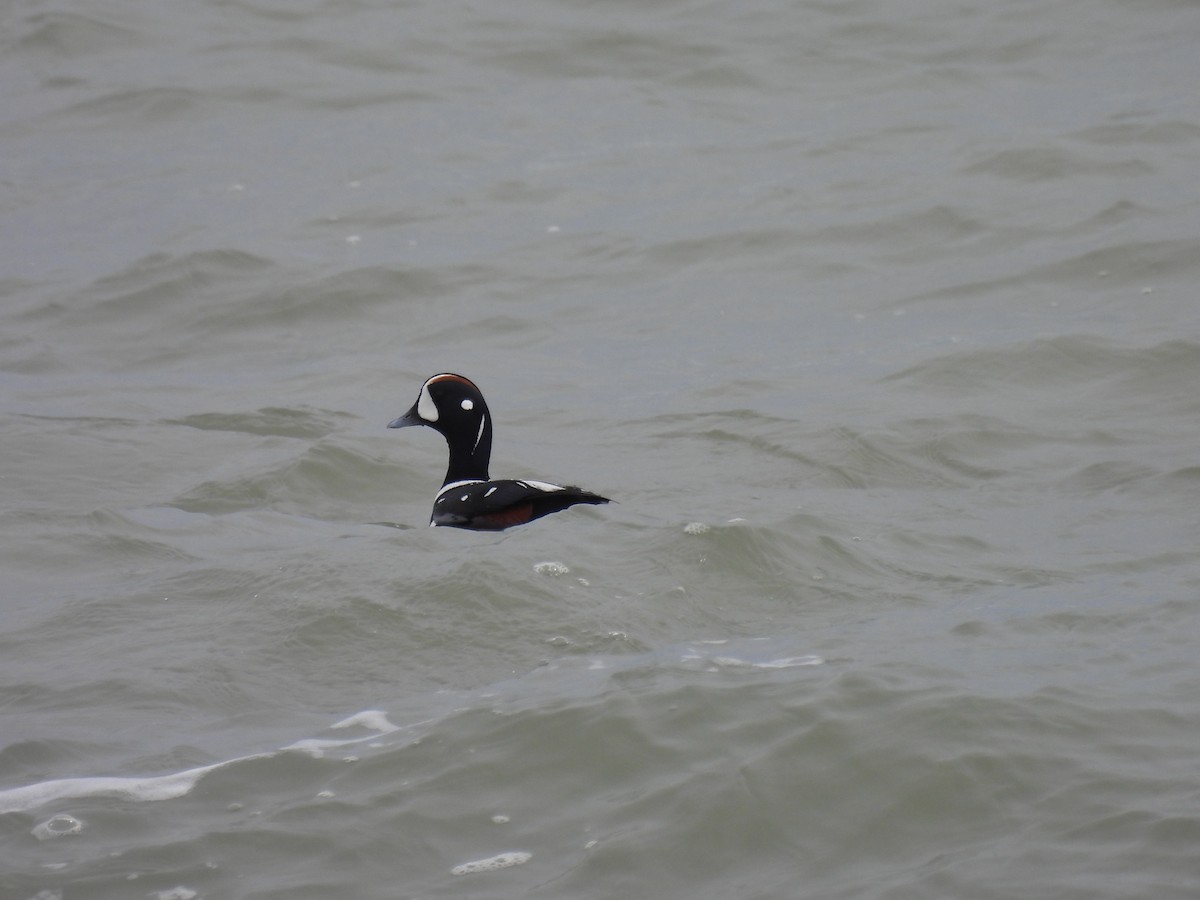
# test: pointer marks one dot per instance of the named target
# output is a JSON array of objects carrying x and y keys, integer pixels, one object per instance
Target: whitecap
[
  {"x": 160, "y": 787},
  {"x": 177, "y": 784}
]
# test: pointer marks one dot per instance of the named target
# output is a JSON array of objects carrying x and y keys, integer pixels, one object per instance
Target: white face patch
[
  {"x": 426, "y": 408},
  {"x": 468, "y": 404}
]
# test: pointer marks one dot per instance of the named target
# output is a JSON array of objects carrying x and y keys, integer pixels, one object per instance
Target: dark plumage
[{"x": 454, "y": 407}]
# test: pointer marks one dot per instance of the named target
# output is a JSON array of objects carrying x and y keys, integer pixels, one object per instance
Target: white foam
[
  {"x": 791, "y": 662},
  {"x": 179, "y": 892},
  {"x": 168, "y": 787},
  {"x": 373, "y": 719},
  {"x": 500, "y": 861},
  {"x": 787, "y": 662},
  {"x": 551, "y": 568},
  {"x": 161, "y": 787}
]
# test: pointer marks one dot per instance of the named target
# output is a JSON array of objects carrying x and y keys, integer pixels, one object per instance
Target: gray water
[{"x": 878, "y": 320}]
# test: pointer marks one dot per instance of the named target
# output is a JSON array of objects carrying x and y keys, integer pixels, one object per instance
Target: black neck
[{"x": 469, "y": 460}]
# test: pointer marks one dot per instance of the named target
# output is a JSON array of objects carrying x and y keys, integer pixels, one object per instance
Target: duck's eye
[{"x": 468, "y": 404}]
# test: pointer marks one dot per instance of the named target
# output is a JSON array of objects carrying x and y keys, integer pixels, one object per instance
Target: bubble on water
[
  {"x": 500, "y": 861},
  {"x": 551, "y": 568},
  {"x": 57, "y": 826},
  {"x": 696, "y": 528},
  {"x": 500, "y": 819}
]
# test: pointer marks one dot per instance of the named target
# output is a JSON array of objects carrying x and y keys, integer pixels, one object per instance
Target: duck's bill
[{"x": 409, "y": 418}]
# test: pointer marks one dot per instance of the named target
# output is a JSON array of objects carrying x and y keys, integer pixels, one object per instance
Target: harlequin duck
[{"x": 453, "y": 406}]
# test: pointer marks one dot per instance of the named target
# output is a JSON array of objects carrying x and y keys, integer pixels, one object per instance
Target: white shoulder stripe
[
  {"x": 457, "y": 484},
  {"x": 543, "y": 485}
]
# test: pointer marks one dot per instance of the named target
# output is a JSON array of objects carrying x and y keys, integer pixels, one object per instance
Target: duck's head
[{"x": 453, "y": 406}]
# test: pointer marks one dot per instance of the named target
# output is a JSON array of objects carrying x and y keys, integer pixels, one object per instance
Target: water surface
[{"x": 877, "y": 320}]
